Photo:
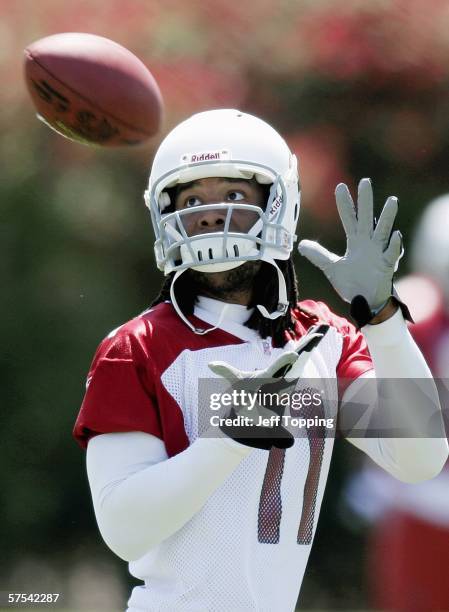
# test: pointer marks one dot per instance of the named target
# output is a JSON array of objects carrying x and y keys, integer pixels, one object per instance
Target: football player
[{"x": 223, "y": 518}]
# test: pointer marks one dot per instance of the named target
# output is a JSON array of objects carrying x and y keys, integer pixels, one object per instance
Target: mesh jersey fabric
[{"x": 247, "y": 548}]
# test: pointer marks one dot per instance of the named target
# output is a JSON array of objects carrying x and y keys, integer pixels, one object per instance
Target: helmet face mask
[
  {"x": 220, "y": 138},
  {"x": 215, "y": 251},
  {"x": 224, "y": 249}
]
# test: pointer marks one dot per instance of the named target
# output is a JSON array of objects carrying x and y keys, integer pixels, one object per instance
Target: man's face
[
  {"x": 217, "y": 191},
  {"x": 235, "y": 284}
]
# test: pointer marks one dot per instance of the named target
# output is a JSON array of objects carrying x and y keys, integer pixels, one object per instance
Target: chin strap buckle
[{"x": 282, "y": 308}]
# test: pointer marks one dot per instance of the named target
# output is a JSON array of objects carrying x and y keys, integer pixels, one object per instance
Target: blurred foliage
[{"x": 357, "y": 89}]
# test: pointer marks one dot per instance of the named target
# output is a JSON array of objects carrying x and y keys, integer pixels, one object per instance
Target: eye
[
  {"x": 236, "y": 196},
  {"x": 192, "y": 201}
]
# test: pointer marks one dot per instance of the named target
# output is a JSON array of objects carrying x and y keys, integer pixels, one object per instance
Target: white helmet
[
  {"x": 430, "y": 247},
  {"x": 231, "y": 144}
]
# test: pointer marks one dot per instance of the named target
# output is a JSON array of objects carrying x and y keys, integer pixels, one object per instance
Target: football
[{"x": 92, "y": 90}]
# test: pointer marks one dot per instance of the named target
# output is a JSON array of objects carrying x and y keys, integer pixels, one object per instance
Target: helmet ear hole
[
  {"x": 169, "y": 197},
  {"x": 266, "y": 194},
  {"x": 296, "y": 213},
  {"x": 164, "y": 201}
]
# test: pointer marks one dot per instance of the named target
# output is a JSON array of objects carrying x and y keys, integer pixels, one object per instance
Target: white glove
[
  {"x": 288, "y": 365},
  {"x": 249, "y": 434},
  {"x": 372, "y": 252},
  {"x": 287, "y": 368},
  {"x": 280, "y": 365}
]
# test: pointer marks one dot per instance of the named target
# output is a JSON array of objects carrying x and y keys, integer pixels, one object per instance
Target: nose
[{"x": 211, "y": 220}]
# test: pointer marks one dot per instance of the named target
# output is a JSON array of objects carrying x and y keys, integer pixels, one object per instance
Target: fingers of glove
[
  {"x": 394, "y": 251},
  {"x": 312, "y": 337},
  {"x": 298, "y": 368},
  {"x": 262, "y": 411},
  {"x": 225, "y": 370},
  {"x": 346, "y": 209},
  {"x": 385, "y": 224},
  {"x": 365, "y": 208},
  {"x": 317, "y": 254},
  {"x": 282, "y": 365}
]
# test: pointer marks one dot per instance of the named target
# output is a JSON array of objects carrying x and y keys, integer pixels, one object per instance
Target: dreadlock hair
[{"x": 265, "y": 292}]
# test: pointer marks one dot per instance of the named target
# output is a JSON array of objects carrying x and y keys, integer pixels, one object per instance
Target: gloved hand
[
  {"x": 251, "y": 434},
  {"x": 286, "y": 369},
  {"x": 372, "y": 251}
]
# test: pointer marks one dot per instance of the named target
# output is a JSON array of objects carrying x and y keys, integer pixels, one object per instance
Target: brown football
[{"x": 92, "y": 90}]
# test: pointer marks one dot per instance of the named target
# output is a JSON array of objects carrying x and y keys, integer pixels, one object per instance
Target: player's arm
[
  {"x": 363, "y": 277},
  {"x": 141, "y": 497},
  {"x": 402, "y": 398}
]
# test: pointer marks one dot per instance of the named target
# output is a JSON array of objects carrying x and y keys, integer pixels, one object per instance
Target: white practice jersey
[{"x": 247, "y": 548}]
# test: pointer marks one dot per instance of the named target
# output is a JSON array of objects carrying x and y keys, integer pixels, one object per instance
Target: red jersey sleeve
[
  {"x": 355, "y": 358},
  {"x": 121, "y": 389}
]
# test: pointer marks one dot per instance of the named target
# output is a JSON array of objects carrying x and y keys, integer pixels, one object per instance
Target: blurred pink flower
[{"x": 375, "y": 41}]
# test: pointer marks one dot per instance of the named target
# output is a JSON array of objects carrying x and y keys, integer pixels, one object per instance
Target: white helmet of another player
[
  {"x": 430, "y": 248},
  {"x": 231, "y": 144}
]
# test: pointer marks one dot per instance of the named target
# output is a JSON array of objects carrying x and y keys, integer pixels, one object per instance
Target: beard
[{"x": 226, "y": 286}]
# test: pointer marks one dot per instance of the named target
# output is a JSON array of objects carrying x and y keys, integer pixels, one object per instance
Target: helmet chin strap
[
  {"x": 283, "y": 302},
  {"x": 279, "y": 312},
  {"x": 197, "y": 330}
]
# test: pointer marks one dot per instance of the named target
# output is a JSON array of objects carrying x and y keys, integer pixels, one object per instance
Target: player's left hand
[
  {"x": 263, "y": 437},
  {"x": 372, "y": 251},
  {"x": 276, "y": 378}
]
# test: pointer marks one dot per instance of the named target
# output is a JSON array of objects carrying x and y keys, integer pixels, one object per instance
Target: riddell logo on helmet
[
  {"x": 274, "y": 207},
  {"x": 191, "y": 158}
]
